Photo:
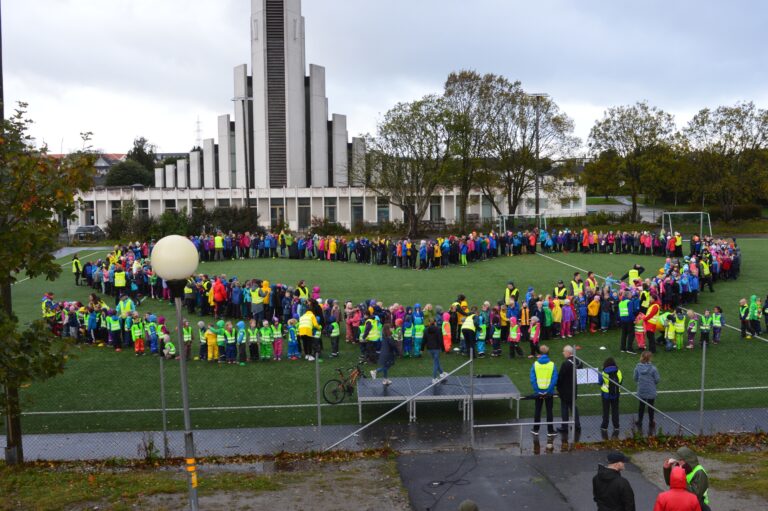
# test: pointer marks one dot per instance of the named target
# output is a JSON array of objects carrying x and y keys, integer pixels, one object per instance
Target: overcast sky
[{"x": 124, "y": 68}]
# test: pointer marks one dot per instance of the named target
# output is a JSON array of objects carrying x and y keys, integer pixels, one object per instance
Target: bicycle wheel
[{"x": 333, "y": 392}]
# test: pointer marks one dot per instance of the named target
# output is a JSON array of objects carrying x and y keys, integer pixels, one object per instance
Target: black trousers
[
  {"x": 612, "y": 406},
  {"x": 627, "y": 330},
  {"x": 641, "y": 410},
  {"x": 548, "y": 402},
  {"x": 306, "y": 342}
]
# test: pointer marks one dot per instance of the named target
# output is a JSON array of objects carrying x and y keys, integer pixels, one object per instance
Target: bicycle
[{"x": 336, "y": 389}]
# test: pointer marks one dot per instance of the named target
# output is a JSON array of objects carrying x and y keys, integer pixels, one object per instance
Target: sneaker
[
  {"x": 443, "y": 375},
  {"x": 631, "y": 352},
  {"x": 551, "y": 434},
  {"x": 310, "y": 358},
  {"x": 373, "y": 374},
  {"x": 387, "y": 382},
  {"x": 534, "y": 432},
  {"x": 435, "y": 380}
]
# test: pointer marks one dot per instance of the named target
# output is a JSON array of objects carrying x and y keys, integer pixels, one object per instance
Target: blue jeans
[
  {"x": 605, "y": 320},
  {"x": 436, "y": 369}
]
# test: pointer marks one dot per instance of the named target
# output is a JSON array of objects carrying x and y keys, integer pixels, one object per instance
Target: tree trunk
[
  {"x": 463, "y": 199},
  {"x": 634, "y": 208},
  {"x": 14, "y": 453},
  {"x": 413, "y": 221}
]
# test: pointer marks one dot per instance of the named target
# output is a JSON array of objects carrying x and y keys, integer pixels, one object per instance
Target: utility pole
[
  {"x": 537, "y": 166},
  {"x": 243, "y": 101}
]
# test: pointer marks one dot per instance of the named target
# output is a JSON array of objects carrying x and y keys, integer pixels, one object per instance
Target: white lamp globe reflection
[{"x": 174, "y": 258}]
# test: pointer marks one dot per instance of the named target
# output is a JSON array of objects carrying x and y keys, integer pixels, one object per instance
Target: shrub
[
  {"x": 324, "y": 227},
  {"x": 740, "y": 212}
]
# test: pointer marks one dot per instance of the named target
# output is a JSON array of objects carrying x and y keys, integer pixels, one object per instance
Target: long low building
[{"x": 296, "y": 207}]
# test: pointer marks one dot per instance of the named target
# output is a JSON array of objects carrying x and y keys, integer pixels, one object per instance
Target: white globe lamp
[{"x": 174, "y": 258}]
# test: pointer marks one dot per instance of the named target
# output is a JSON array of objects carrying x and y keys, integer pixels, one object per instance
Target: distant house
[{"x": 103, "y": 164}]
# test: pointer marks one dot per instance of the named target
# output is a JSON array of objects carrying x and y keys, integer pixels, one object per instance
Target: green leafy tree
[
  {"x": 634, "y": 133},
  {"x": 406, "y": 160},
  {"x": 36, "y": 188},
  {"x": 142, "y": 153},
  {"x": 729, "y": 148},
  {"x": 473, "y": 107},
  {"x": 128, "y": 173}
]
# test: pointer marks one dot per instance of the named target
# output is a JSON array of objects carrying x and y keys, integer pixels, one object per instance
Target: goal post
[
  {"x": 522, "y": 222},
  {"x": 687, "y": 223}
]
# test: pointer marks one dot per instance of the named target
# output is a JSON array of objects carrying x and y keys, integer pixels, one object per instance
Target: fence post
[
  {"x": 574, "y": 382},
  {"x": 163, "y": 407},
  {"x": 703, "y": 382},
  {"x": 317, "y": 393},
  {"x": 471, "y": 397}
]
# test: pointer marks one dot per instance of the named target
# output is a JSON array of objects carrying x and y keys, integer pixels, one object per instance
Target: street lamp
[
  {"x": 174, "y": 259},
  {"x": 538, "y": 96}
]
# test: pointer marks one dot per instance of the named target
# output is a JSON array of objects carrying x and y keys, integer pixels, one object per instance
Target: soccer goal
[
  {"x": 522, "y": 222},
  {"x": 687, "y": 223}
]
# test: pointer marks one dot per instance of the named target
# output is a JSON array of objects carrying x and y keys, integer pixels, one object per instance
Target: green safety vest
[
  {"x": 256, "y": 298},
  {"x": 693, "y": 326},
  {"x": 119, "y": 279},
  {"x": 408, "y": 331},
  {"x": 77, "y": 266},
  {"x": 220, "y": 337},
  {"x": 277, "y": 331},
  {"x": 679, "y": 324},
  {"x": 689, "y": 477},
  {"x": 171, "y": 348},
  {"x": 418, "y": 332},
  {"x": 187, "y": 334},
  {"x": 624, "y": 308},
  {"x": 483, "y": 330},
  {"x": 266, "y": 334},
  {"x": 230, "y": 337},
  {"x": 496, "y": 333},
  {"x": 513, "y": 331},
  {"x": 201, "y": 333},
  {"x": 469, "y": 323},
  {"x": 716, "y": 320},
  {"x": 544, "y": 374},
  {"x": 114, "y": 324},
  {"x": 639, "y": 327},
  {"x": 137, "y": 330},
  {"x": 335, "y": 330},
  {"x": 253, "y": 334}
]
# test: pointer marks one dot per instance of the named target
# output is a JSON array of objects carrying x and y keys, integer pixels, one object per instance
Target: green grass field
[{"x": 98, "y": 379}]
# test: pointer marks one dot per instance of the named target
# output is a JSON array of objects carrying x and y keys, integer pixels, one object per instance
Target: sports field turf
[{"x": 99, "y": 379}]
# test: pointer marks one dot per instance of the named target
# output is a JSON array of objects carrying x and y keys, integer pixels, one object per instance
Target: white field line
[
  {"x": 194, "y": 409},
  {"x": 62, "y": 266},
  {"x": 600, "y": 276}
]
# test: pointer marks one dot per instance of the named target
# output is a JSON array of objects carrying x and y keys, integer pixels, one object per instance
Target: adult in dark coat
[
  {"x": 611, "y": 491},
  {"x": 565, "y": 389}
]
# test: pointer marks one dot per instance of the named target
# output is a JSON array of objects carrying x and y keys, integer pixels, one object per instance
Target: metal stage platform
[{"x": 453, "y": 388}]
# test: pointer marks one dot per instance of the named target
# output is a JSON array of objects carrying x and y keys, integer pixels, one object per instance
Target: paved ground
[
  {"x": 501, "y": 480},
  {"x": 404, "y": 437}
]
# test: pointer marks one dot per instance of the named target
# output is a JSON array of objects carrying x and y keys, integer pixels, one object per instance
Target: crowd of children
[{"x": 258, "y": 321}]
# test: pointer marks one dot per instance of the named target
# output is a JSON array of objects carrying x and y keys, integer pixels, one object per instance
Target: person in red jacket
[{"x": 677, "y": 498}]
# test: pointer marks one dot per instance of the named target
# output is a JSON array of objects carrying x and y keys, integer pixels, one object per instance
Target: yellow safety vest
[
  {"x": 77, "y": 266},
  {"x": 256, "y": 298},
  {"x": 469, "y": 323},
  {"x": 633, "y": 275},
  {"x": 119, "y": 279},
  {"x": 577, "y": 287},
  {"x": 544, "y": 374},
  {"x": 689, "y": 477},
  {"x": 373, "y": 334}
]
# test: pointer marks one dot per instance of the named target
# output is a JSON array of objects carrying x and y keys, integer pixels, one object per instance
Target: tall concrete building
[{"x": 282, "y": 152}]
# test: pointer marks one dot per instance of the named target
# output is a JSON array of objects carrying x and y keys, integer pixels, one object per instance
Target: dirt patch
[
  {"x": 651, "y": 463},
  {"x": 365, "y": 485}
]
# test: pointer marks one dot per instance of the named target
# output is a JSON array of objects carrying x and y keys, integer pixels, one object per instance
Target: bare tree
[{"x": 406, "y": 160}]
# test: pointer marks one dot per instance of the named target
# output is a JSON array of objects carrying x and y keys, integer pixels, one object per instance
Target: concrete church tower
[{"x": 278, "y": 92}]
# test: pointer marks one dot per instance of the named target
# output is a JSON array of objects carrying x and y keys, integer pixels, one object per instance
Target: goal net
[
  {"x": 687, "y": 223},
  {"x": 522, "y": 222}
]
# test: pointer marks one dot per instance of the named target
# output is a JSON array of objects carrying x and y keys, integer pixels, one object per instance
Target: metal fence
[{"x": 268, "y": 407}]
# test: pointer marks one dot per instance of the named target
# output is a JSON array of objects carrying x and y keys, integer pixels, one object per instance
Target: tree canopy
[
  {"x": 36, "y": 190},
  {"x": 142, "y": 153},
  {"x": 128, "y": 173}
]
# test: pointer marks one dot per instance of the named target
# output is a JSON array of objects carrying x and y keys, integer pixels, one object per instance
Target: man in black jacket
[
  {"x": 565, "y": 389},
  {"x": 611, "y": 491}
]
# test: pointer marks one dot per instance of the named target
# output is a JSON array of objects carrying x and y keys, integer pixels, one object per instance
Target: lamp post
[
  {"x": 246, "y": 137},
  {"x": 174, "y": 259},
  {"x": 537, "y": 170}
]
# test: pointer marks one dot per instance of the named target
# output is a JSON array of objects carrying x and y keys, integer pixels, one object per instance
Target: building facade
[{"x": 281, "y": 149}]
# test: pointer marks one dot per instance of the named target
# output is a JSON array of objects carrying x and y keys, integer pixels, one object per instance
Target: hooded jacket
[
  {"x": 677, "y": 498},
  {"x": 611, "y": 491},
  {"x": 647, "y": 377},
  {"x": 699, "y": 483}
]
